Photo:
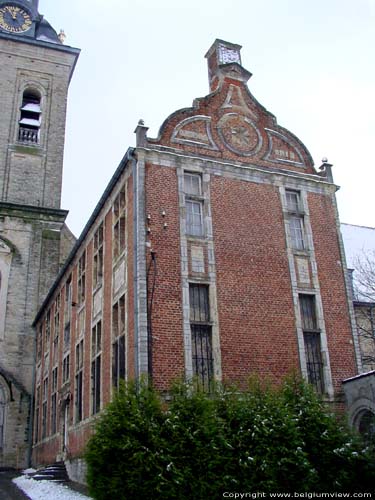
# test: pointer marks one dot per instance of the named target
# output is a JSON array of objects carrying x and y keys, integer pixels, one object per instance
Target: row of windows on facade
[
  {"x": 201, "y": 331},
  {"x": 194, "y": 203},
  {"x": 118, "y": 243},
  {"x": 118, "y": 370},
  {"x": 202, "y": 356}
]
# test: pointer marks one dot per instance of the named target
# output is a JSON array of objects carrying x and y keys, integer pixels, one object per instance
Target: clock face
[{"x": 14, "y": 19}]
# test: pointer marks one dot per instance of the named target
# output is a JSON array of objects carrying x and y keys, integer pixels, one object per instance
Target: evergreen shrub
[{"x": 200, "y": 445}]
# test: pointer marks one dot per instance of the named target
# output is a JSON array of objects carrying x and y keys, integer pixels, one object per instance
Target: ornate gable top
[{"x": 229, "y": 123}]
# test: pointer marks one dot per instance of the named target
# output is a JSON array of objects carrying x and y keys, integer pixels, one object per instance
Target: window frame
[
  {"x": 312, "y": 341},
  {"x": 296, "y": 219},
  {"x": 194, "y": 198},
  {"x": 201, "y": 335}
]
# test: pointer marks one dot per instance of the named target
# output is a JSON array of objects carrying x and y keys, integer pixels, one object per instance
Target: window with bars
[
  {"x": 54, "y": 401},
  {"x": 44, "y": 408},
  {"x": 201, "y": 334},
  {"x": 79, "y": 382},
  {"x": 98, "y": 257},
  {"x": 296, "y": 219},
  {"x": 81, "y": 279},
  {"x": 96, "y": 349},
  {"x": 118, "y": 345},
  {"x": 119, "y": 224},
  {"x": 311, "y": 336},
  {"x": 37, "y": 414},
  {"x": 193, "y": 204}
]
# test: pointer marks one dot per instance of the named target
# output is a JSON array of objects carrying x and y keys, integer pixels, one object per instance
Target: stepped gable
[{"x": 230, "y": 124}]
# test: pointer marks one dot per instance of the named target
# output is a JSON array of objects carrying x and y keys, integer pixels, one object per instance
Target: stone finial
[
  {"x": 141, "y": 133},
  {"x": 326, "y": 169},
  {"x": 62, "y": 36}
]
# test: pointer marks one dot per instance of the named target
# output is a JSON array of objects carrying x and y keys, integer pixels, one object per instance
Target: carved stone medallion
[{"x": 239, "y": 134}]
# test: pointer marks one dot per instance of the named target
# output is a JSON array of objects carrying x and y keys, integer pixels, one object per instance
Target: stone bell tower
[{"x": 35, "y": 72}]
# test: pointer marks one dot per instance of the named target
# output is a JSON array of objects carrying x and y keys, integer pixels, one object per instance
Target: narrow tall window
[
  {"x": 56, "y": 329},
  {"x": 98, "y": 256},
  {"x": 67, "y": 311},
  {"x": 119, "y": 224},
  {"x": 37, "y": 414},
  {"x": 201, "y": 335},
  {"x": 30, "y": 119},
  {"x": 96, "y": 349},
  {"x": 81, "y": 279},
  {"x": 44, "y": 408},
  {"x": 66, "y": 369},
  {"x": 79, "y": 381},
  {"x": 47, "y": 330},
  {"x": 311, "y": 335},
  {"x": 118, "y": 345},
  {"x": 54, "y": 402},
  {"x": 296, "y": 219},
  {"x": 39, "y": 342},
  {"x": 193, "y": 204}
]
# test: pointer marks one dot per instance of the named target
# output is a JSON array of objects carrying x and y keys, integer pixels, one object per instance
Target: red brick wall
[
  {"x": 168, "y": 349},
  {"x": 331, "y": 279},
  {"x": 256, "y": 314}
]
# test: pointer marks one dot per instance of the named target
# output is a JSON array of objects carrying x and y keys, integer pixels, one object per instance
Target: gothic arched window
[{"x": 29, "y": 123}]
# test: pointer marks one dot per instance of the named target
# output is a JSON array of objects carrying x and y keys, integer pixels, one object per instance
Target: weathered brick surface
[
  {"x": 256, "y": 318},
  {"x": 246, "y": 162},
  {"x": 167, "y": 352},
  {"x": 331, "y": 280}
]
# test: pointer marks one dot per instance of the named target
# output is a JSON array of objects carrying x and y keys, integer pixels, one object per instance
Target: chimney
[{"x": 224, "y": 58}]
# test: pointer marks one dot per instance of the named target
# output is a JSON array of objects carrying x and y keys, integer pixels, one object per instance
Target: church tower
[{"x": 35, "y": 72}]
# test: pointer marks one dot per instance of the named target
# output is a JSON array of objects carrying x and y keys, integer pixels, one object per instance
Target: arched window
[
  {"x": 366, "y": 424},
  {"x": 29, "y": 123}
]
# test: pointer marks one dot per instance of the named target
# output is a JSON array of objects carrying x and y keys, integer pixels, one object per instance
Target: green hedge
[{"x": 200, "y": 446}]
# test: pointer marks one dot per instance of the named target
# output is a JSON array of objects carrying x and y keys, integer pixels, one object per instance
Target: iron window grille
[
  {"x": 201, "y": 335},
  {"x": 54, "y": 401},
  {"x": 79, "y": 381},
  {"x": 311, "y": 335},
  {"x": 96, "y": 349},
  {"x": 118, "y": 345}
]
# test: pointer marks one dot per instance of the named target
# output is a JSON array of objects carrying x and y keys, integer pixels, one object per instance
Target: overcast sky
[{"x": 312, "y": 64}]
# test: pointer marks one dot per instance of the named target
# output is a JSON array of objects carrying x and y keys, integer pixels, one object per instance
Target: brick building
[
  {"x": 35, "y": 70},
  {"x": 215, "y": 251}
]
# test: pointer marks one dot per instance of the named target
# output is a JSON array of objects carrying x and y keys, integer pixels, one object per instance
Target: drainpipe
[{"x": 31, "y": 407}]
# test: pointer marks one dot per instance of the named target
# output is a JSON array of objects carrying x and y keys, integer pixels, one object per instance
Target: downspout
[{"x": 31, "y": 407}]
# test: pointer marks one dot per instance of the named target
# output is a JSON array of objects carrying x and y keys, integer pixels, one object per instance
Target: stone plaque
[
  {"x": 303, "y": 270},
  {"x": 97, "y": 301},
  {"x": 197, "y": 259},
  {"x": 119, "y": 277}
]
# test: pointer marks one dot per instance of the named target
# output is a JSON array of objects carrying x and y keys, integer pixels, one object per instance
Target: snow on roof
[
  {"x": 357, "y": 239},
  {"x": 43, "y": 490}
]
